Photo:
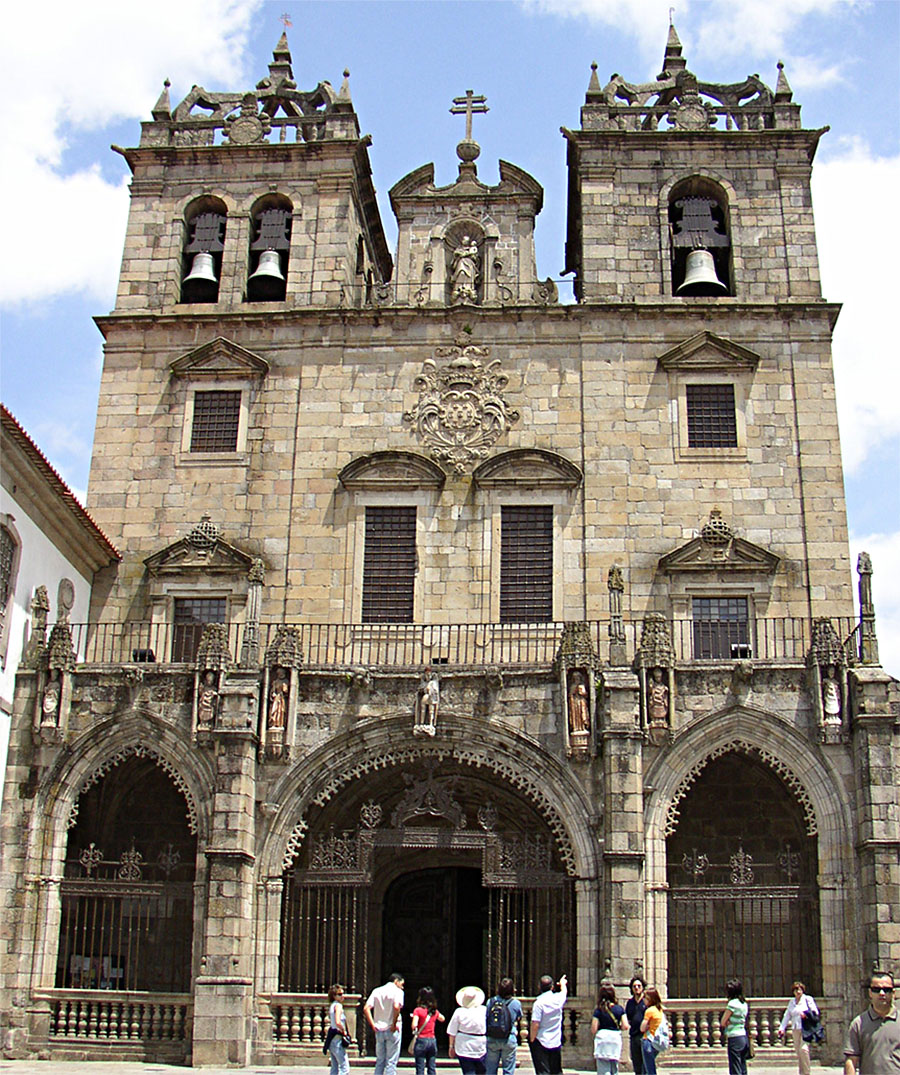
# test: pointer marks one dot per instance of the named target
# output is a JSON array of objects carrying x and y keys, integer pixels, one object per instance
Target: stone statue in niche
[
  {"x": 427, "y": 702},
  {"x": 831, "y": 695},
  {"x": 278, "y": 694},
  {"x": 578, "y": 703},
  {"x": 207, "y": 702},
  {"x": 51, "y": 698},
  {"x": 465, "y": 271},
  {"x": 658, "y": 699}
]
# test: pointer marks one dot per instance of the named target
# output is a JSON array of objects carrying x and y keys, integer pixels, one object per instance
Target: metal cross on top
[{"x": 467, "y": 106}]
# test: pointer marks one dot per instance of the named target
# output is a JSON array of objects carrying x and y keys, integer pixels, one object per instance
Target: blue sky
[{"x": 88, "y": 73}]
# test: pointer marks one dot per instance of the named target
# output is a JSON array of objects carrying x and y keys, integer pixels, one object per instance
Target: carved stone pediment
[
  {"x": 392, "y": 470},
  {"x": 219, "y": 358},
  {"x": 184, "y": 558},
  {"x": 706, "y": 351},
  {"x": 737, "y": 555},
  {"x": 529, "y": 467}
]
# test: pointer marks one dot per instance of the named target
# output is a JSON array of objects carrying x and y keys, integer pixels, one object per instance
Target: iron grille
[
  {"x": 529, "y": 931},
  {"x": 389, "y": 565},
  {"x": 191, "y": 616},
  {"x": 216, "y": 418},
  {"x": 526, "y": 564},
  {"x": 323, "y": 931},
  {"x": 710, "y": 416},
  {"x": 721, "y": 628},
  {"x": 7, "y": 549}
]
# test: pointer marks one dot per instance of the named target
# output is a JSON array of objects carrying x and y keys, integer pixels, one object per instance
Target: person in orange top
[{"x": 653, "y": 1018}]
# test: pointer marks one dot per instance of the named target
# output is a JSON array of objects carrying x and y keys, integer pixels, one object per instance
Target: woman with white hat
[{"x": 466, "y": 1032}]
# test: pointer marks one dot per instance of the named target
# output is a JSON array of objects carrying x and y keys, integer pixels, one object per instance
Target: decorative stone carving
[
  {"x": 256, "y": 576},
  {"x": 428, "y": 699},
  {"x": 578, "y": 705},
  {"x": 827, "y": 676},
  {"x": 37, "y": 639},
  {"x": 249, "y": 126},
  {"x": 868, "y": 640},
  {"x": 465, "y": 271},
  {"x": 428, "y": 795},
  {"x": 212, "y": 652},
  {"x": 546, "y": 293},
  {"x": 576, "y": 662},
  {"x": 207, "y": 701},
  {"x": 655, "y": 664},
  {"x": 615, "y": 583},
  {"x": 461, "y": 412},
  {"x": 283, "y": 659},
  {"x": 370, "y": 814}
]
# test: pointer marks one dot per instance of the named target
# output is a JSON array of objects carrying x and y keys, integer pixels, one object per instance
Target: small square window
[
  {"x": 721, "y": 628},
  {"x": 192, "y": 614},
  {"x": 526, "y": 564},
  {"x": 711, "y": 416},
  {"x": 389, "y": 565},
  {"x": 216, "y": 421}
]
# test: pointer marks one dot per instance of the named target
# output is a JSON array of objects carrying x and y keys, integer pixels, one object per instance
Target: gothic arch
[{"x": 512, "y": 758}]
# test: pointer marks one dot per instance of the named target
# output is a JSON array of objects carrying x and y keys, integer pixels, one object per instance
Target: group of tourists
[{"x": 483, "y": 1032}]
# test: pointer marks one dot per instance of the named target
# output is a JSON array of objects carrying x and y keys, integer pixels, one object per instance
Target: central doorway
[{"x": 434, "y": 932}]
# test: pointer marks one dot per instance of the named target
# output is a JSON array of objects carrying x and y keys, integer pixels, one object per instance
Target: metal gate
[
  {"x": 530, "y": 933},
  {"x": 323, "y": 933}
]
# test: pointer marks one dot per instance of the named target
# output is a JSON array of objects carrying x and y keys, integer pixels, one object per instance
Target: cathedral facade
[{"x": 457, "y": 630}]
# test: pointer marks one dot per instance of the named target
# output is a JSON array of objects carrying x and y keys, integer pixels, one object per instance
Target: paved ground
[{"x": 54, "y": 1067}]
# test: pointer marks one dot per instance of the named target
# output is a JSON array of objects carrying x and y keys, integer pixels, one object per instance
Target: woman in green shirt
[{"x": 734, "y": 1024}]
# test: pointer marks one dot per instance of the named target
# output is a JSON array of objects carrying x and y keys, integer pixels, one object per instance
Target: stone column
[
  {"x": 223, "y": 996},
  {"x": 623, "y": 815}
]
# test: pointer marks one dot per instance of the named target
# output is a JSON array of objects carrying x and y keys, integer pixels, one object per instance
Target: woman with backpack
[
  {"x": 424, "y": 1017},
  {"x": 606, "y": 1027},
  {"x": 653, "y": 1023},
  {"x": 503, "y": 1013},
  {"x": 734, "y": 1024}
]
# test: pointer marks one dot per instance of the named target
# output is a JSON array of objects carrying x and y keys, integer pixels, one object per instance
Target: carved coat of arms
[{"x": 461, "y": 411}]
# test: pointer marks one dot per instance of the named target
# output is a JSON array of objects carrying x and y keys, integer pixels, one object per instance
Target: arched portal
[
  {"x": 434, "y": 842},
  {"x": 127, "y": 890},
  {"x": 741, "y": 871}
]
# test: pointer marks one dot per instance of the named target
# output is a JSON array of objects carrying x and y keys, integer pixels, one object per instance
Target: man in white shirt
[
  {"x": 382, "y": 1012},
  {"x": 545, "y": 1031}
]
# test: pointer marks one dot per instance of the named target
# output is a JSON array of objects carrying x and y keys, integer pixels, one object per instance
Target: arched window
[
  {"x": 269, "y": 249},
  {"x": 205, "y": 222},
  {"x": 700, "y": 239}
]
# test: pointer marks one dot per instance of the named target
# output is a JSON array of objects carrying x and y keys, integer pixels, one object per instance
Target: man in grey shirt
[{"x": 873, "y": 1042}]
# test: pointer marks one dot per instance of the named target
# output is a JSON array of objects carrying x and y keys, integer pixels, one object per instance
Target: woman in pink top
[{"x": 424, "y": 1017}]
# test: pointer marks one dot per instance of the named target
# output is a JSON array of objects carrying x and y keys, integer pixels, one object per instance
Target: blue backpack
[{"x": 498, "y": 1019}]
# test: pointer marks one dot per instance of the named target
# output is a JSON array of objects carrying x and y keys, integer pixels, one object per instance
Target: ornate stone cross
[{"x": 468, "y": 106}]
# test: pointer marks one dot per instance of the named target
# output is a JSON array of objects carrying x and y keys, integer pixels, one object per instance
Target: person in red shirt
[{"x": 424, "y": 1018}]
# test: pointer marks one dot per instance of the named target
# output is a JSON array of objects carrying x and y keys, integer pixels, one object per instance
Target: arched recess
[
  {"x": 138, "y": 742},
  {"x": 811, "y": 790},
  {"x": 380, "y": 805},
  {"x": 726, "y": 211}
]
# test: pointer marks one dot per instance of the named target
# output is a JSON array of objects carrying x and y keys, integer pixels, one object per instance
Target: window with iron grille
[
  {"x": 526, "y": 563},
  {"x": 389, "y": 565},
  {"x": 711, "y": 419},
  {"x": 721, "y": 628},
  {"x": 7, "y": 553},
  {"x": 216, "y": 419},
  {"x": 191, "y": 616}
]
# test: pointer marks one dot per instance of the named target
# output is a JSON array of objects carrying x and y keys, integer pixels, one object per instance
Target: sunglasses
[{"x": 881, "y": 989}]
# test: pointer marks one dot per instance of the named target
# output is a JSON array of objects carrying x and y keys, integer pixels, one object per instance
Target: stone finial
[
  {"x": 655, "y": 650},
  {"x": 344, "y": 92},
  {"x": 205, "y": 534},
  {"x": 468, "y": 150},
  {"x": 280, "y": 67},
  {"x": 576, "y": 648},
  {"x": 162, "y": 110},
  {"x": 715, "y": 532},
  {"x": 257, "y": 572},
  {"x": 60, "y": 650},
  {"x": 673, "y": 61},
  {"x": 284, "y": 650},
  {"x": 213, "y": 653},
  {"x": 868, "y": 639},
  {"x": 37, "y": 639},
  {"x": 594, "y": 87},
  {"x": 614, "y": 579},
  {"x": 825, "y": 646},
  {"x": 783, "y": 91}
]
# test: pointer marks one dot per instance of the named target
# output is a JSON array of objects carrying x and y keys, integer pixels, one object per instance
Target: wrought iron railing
[{"x": 343, "y": 646}]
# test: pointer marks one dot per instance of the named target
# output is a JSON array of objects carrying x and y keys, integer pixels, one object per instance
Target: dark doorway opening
[{"x": 434, "y": 931}]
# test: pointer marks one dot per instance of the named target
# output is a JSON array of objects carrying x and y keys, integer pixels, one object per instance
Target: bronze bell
[
  {"x": 700, "y": 275},
  {"x": 267, "y": 283},
  {"x": 201, "y": 284}
]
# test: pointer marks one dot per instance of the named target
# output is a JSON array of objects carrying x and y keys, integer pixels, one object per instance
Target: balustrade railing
[
  {"x": 302, "y": 1018},
  {"x": 342, "y": 646},
  {"x": 694, "y": 1024},
  {"x": 106, "y": 1016}
]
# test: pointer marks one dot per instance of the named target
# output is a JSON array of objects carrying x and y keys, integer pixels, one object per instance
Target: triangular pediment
[
  {"x": 184, "y": 557},
  {"x": 534, "y": 467},
  {"x": 706, "y": 351},
  {"x": 392, "y": 470},
  {"x": 736, "y": 555},
  {"x": 219, "y": 358}
]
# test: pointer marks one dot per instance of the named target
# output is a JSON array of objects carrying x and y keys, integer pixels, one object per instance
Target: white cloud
[
  {"x": 83, "y": 67},
  {"x": 809, "y": 73},
  {"x": 885, "y": 552},
  {"x": 859, "y": 234}
]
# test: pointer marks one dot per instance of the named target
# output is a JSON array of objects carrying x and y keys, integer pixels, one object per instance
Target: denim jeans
[
  {"x": 607, "y": 1067},
  {"x": 387, "y": 1050},
  {"x": 424, "y": 1052},
  {"x": 340, "y": 1062},
  {"x": 500, "y": 1054},
  {"x": 648, "y": 1056},
  {"x": 737, "y": 1054}
]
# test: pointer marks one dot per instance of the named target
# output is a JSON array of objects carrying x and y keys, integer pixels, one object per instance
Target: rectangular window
[
  {"x": 711, "y": 419},
  {"x": 721, "y": 628},
  {"x": 191, "y": 616},
  {"x": 216, "y": 420},
  {"x": 526, "y": 564},
  {"x": 389, "y": 565}
]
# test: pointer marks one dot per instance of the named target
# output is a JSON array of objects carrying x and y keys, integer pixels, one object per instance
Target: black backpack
[{"x": 498, "y": 1020}]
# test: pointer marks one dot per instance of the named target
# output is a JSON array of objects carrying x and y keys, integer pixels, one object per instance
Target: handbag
[
  {"x": 411, "y": 1048},
  {"x": 811, "y": 1028}
]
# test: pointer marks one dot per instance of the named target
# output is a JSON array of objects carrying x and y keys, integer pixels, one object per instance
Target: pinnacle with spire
[{"x": 673, "y": 61}]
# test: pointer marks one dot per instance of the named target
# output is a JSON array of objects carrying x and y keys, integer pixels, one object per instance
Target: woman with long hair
[
  {"x": 652, "y": 1021},
  {"x": 606, "y": 1028},
  {"x": 425, "y": 1016},
  {"x": 338, "y": 1034},
  {"x": 734, "y": 1024}
]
